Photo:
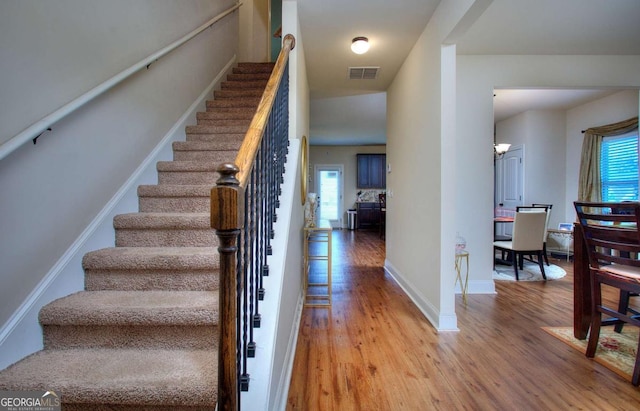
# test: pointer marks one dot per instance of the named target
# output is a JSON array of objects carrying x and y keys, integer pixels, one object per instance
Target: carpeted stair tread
[
  {"x": 174, "y": 198},
  {"x": 238, "y": 92},
  {"x": 257, "y": 82},
  {"x": 223, "y": 145},
  {"x": 253, "y": 68},
  {"x": 162, "y": 220},
  {"x": 240, "y": 113},
  {"x": 99, "y": 377},
  {"x": 177, "y": 190},
  {"x": 152, "y": 258},
  {"x": 164, "y": 230},
  {"x": 215, "y": 137},
  {"x": 152, "y": 268},
  {"x": 195, "y": 165},
  {"x": 222, "y": 121},
  {"x": 260, "y": 64},
  {"x": 194, "y": 172},
  {"x": 247, "y": 77},
  {"x": 216, "y": 129},
  {"x": 233, "y": 102},
  {"x": 133, "y": 308}
]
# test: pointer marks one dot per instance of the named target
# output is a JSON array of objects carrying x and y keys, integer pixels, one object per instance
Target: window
[{"x": 619, "y": 168}]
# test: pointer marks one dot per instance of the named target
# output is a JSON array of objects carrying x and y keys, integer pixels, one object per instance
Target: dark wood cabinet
[
  {"x": 372, "y": 170},
  {"x": 368, "y": 215}
]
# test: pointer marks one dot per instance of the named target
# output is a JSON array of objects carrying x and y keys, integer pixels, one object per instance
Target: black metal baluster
[
  {"x": 257, "y": 318},
  {"x": 242, "y": 292},
  {"x": 252, "y": 273}
]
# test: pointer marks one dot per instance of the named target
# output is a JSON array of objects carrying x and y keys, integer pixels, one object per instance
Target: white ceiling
[
  {"x": 506, "y": 27},
  {"x": 509, "y": 102},
  {"x": 328, "y": 26}
]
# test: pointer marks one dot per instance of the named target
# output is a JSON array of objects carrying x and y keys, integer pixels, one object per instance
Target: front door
[{"x": 329, "y": 189}]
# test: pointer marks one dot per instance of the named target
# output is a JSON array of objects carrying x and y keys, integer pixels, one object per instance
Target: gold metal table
[
  {"x": 317, "y": 248},
  {"x": 462, "y": 256}
]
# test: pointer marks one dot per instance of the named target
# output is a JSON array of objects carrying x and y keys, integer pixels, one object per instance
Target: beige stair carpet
[{"x": 143, "y": 334}]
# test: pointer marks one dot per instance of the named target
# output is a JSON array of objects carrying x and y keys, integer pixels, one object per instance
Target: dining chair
[
  {"x": 547, "y": 209},
  {"x": 611, "y": 235},
  {"x": 528, "y": 228},
  {"x": 382, "y": 202}
]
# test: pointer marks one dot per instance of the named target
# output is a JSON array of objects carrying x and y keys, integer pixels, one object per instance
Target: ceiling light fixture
[
  {"x": 501, "y": 148},
  {"x": 360, "y": 45}
]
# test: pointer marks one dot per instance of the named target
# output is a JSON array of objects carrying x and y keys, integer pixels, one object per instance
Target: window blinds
[{"x": 619, "y": 168}]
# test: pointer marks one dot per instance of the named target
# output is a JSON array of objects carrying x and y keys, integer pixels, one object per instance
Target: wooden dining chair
[
  {"x": 528, "y": 229},
  {"x": 612, "y": 238}
]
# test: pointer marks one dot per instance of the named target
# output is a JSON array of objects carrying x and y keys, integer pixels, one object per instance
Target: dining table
[
  {"x": 503, "y": 219},
  {"x": 581, "y": 285}
]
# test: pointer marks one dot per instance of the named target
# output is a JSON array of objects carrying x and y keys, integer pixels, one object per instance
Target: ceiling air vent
[{"x": 363, "y": 73}]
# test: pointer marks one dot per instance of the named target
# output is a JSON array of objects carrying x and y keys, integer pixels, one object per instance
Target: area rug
[
  {"x": 531, "y": 272},
  {"x": 616, "y": 351}
]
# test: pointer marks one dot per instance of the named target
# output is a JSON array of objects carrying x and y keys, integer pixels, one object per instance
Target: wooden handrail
[
  {"x": 231, "y": 221},
  {"x": 247, "y": 154}
]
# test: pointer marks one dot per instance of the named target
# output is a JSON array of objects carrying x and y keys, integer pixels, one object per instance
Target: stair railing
[{"x": 243, "y": 210}]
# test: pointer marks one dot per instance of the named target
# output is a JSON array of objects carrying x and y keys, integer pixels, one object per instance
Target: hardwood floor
[{"x": 374, "y": 350}]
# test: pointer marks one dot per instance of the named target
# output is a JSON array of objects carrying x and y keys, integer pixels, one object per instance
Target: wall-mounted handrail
[{"x": 40, "y": 126}]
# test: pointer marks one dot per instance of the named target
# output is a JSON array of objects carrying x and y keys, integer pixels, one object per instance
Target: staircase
[{"x": 143, "y": 334}]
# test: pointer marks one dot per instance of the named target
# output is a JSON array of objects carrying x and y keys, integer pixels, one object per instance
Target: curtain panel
[{"x": 589, "y": 181}]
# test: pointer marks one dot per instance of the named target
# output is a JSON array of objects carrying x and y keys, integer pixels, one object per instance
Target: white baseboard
[
  {"x": 282, "y": 393},
  {"x": 21, "y": 335},
  {"x": 481, "y": 287},
  {"x": 439, "y": 321}
]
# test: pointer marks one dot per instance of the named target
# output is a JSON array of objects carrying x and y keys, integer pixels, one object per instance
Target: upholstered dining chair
[
  {"x": 540, "y": 208},
  {"x": 549, "y": 207},
  {"x": 612, "y": 238},
  {"x": 528, "y": 228}
]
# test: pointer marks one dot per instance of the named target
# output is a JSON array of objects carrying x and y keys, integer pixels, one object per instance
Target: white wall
[
  {"x": 50, "y": 53},
  {"x": 477, "y": 77},
  {"x": 254, "y": 31},
  {"x": 420, "y": 135}
]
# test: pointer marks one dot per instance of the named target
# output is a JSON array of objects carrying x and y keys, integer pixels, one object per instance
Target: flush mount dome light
[
  {"x": 501, "y": 148},
  {"x": 360, "y": 45}
]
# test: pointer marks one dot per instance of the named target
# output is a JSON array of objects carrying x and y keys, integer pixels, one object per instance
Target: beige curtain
[{"x": 589, "y": 182}]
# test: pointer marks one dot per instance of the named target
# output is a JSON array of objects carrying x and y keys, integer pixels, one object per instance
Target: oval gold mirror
[{"x": 304, "y": 167}]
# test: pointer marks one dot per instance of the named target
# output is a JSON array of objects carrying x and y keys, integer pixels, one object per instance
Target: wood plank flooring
[{"x": 374, "y": 350}]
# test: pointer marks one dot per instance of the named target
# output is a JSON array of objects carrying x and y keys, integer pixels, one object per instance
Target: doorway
[
  {"x": 330, "y": 192},
  {"x": 509, "y": 185}
]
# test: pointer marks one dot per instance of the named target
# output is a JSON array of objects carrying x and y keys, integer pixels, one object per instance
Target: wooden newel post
[{"x": 227, "y": 218}]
